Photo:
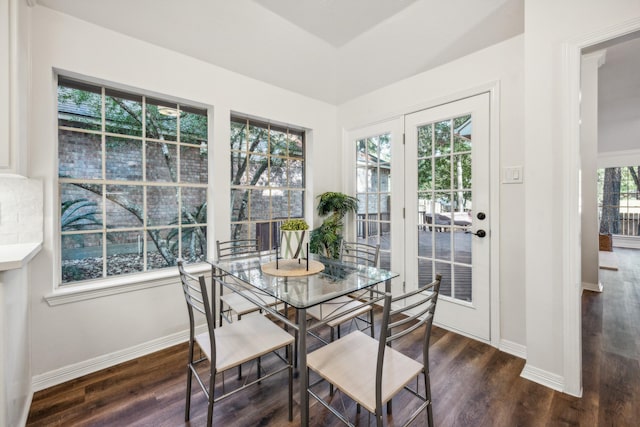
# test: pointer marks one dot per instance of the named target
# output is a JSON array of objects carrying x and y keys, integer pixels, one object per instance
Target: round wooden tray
[{"x": 291, "y": 268}]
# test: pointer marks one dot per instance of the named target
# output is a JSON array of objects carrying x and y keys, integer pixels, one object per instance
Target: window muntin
[
  {"x": 267, "y": 178},
  {"x": 132, "y": 177},
  {"x": 373, "y": 190}
]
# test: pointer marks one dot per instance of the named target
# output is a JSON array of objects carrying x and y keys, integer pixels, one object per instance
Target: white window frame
[
  {"x": 92, "y": 288},
  {"x": 273, "y": 221}
]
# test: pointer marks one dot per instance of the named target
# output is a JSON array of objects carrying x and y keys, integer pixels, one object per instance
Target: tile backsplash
[{"x": 21, "y": 210}]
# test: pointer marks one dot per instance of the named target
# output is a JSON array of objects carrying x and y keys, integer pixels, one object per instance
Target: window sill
[{"x": 118, "y": 285}]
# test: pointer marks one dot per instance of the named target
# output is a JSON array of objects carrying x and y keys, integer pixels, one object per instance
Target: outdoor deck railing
[{"x": 629, "y": 224}]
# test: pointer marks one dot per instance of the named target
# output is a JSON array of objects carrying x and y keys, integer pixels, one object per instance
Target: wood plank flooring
[{"x": 473, "y": 384}]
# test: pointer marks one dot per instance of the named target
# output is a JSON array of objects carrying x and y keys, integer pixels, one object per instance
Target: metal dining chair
[
  {"x": 229, "y": 346},
  {"x": 370, "y": 371},
  {"x": 353, "y": 253},
  {"x": 236, "y": 302}
]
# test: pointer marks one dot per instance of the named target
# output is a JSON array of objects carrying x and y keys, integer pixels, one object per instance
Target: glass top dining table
[
  {"x": 302, "y": 292},
  {"x": 337, "y": 279}
]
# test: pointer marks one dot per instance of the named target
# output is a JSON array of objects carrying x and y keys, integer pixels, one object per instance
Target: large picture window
[
  {"x": 267, "y": 179},
  {"x": 132, "y": 174}
]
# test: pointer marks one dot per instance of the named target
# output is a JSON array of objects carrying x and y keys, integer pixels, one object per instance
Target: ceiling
[
  {"x": 335, "y": 21},
  {"x": 330, "y": 50}
]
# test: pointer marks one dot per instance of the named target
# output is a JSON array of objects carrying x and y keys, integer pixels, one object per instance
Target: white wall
[
  {"x": 619, "y": 98},
  {"x": 553, "y": 357},
  {"x": 501, "y": 63},
  {"x": 78, "y": 336}
]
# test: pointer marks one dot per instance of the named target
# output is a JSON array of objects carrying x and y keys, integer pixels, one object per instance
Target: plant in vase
[
  {"x": 293, "y": 239},
  {"x": 327, "y": 238}
]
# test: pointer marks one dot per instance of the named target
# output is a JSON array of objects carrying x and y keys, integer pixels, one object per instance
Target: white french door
[
  {"x": 426, "y": 203},
  {"x": 447, "y": 210},
  {"x": 377, "y": 153}
]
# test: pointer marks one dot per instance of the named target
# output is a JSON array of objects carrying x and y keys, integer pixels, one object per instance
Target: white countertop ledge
[{"x": 18, "y": 255}]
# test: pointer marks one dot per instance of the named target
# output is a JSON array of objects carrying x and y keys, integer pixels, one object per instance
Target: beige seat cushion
[
  {"x": 244, "y": 340},
  {"x": 241, "y": 305},
  {"x": 350, "y": 365},
  {"x": 337, "y": 306}
]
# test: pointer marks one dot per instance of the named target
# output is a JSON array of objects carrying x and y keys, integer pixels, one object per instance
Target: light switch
[{"x": 512, "y": 175}]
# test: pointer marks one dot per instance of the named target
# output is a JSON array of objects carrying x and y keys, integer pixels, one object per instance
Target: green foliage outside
[
  {"x": 294, "y": 225},
  {"x": 261, "y": 159},
  {"x": 78, "y": 214},
  {"x": 81, "y": 107},
  {"x": 445, "y": 162}
]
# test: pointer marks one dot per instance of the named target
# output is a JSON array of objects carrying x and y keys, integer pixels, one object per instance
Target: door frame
[
  {"x": 571, "y": 275},
  {"x": 493, "y": 88}
]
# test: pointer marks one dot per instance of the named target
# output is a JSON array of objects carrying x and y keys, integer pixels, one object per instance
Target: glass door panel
[{"x": 447, "y": 185}]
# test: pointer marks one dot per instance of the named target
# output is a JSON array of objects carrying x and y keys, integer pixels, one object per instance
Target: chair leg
[
  {"x": 290, "y": 354},
  {"x": 295, "y": 350},
  {"x": 240, "y": 365},
  {"x": 187, "y": 408},
  {"x": 212, "y": 384},
  {"x": 427, "y": 386},
  {"x": 379, "y": 417},
  {"x": 259, "y": 367},
  {"x": 371, "y": 322},
  {"x": 332, "y": 337}
]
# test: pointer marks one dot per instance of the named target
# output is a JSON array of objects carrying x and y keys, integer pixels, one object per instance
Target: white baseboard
[
  {"x": 76, "y": 370},
  {"x": 631, "y": 242},
  {"x": 595, "y": 287},
  {"x": 548, "y": 379},
  {"x": 26, "y": 409},
  {"x": 513, "y": 348}
]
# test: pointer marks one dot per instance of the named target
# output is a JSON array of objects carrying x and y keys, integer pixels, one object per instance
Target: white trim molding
[
  {"x": 572, "y": 288},
  {"x": 77, "y": 370},
  {"x": 118, "y": 285},
  {"x": 513, "y": 348},
  {"x": 593, "y": 287},
  {"x": 613, "y": 159},
  {"x": 631, "y": 242},
  {"x": 548, "y": 379}
]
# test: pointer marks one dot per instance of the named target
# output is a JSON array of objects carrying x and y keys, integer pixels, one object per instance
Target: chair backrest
[
  {"x": 237, "y": 248},
  {"x": 417, "y": 309},
  {"x": 198, "y": 305},
  {"x": 360, "y": 253}
]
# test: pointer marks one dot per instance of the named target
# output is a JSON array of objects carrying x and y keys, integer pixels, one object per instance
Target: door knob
[{"x": 479, "y": 233}]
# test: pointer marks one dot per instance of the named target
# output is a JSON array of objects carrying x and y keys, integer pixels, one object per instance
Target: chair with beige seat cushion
[
  {"x": 238, "y": 302},
  {"x": 229, "y": 346},
  {"x": 371, "y": 372},
  {"x": 353, "y": 253}
]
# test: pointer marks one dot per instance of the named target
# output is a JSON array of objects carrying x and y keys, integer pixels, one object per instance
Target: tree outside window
[
  {"x": 619, "y": 200},
  {"x": 267, "y": 178},
  {"x": 133, "y": 174}
]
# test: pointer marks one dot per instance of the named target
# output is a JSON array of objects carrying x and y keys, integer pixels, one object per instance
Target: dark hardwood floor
[{"x": 473, "y": 384}]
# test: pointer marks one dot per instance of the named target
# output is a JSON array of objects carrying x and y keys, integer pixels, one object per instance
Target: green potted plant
[
  {"x": 327, "y": 238},
  {"x": 294, "y": 238}
]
